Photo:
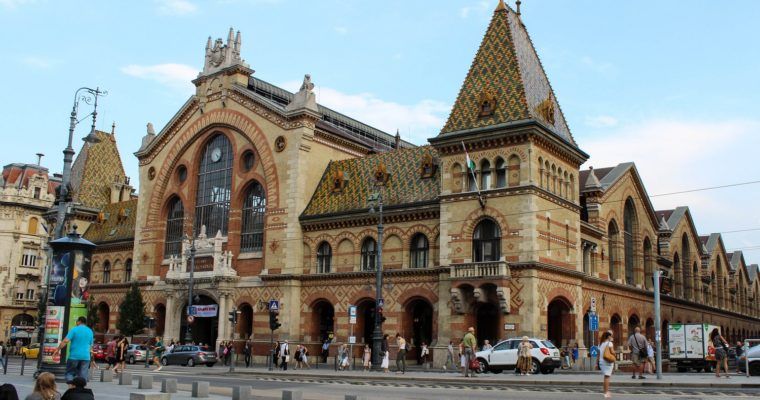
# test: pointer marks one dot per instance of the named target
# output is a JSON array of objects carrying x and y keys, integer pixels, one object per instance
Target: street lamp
[
  {"x": 191, "y": 282},
  {"x": 89, "y": 96},
  {"x": 377, "y": 334}
]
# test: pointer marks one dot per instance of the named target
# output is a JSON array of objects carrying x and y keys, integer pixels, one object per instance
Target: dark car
[
  {"x": 99, "y": 352},
  {"x": 190, "y": 356}
]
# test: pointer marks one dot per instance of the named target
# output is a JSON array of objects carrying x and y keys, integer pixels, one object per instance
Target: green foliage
[
  {"x": 92, "y": 314},
  {"x": 132, "y": 312}
]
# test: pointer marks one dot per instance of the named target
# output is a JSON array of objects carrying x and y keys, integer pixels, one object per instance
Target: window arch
[
  {"x": 514, "y": 170},
  {"x": 686, "y": 283},
  {"x": 501, "y": 172},
  {"x": 107, "y": 272},
  {"x": 324, "y": 258},
  {"x": 485, "y": 175},
  {"x": 418, "y": 253},
  {"x": 212, "y": 203},
  {"x": 613, "y": 234},
  {"x": 629, "y": 232},
  {"x": 254, "y": 208},
  {"x": 174, "y": 219},
  {"x": 486, "y": 241},
  {"x": 128, "y": 270},
  {"x": 648, "y": 267},
  {"x": 369, "y": 254}
]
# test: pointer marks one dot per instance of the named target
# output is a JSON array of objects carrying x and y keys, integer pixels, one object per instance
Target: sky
[{"x": 670, "y": 85}]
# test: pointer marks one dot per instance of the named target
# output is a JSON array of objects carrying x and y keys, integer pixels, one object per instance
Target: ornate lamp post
[
  {"x": 377, "y": 334},
  {"x": 190, "y": 283},
  {"x": 89, "y": 96}
]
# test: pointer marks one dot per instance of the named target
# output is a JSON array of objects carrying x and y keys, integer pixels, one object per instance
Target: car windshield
[
  {"x": 202, "y": 348},
  {"x": 548, "y": 344}
]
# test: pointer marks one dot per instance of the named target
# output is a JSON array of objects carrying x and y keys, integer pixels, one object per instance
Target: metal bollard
[
  {"x": 23, "y": 362},
  {"x": 292, "y": 395}
]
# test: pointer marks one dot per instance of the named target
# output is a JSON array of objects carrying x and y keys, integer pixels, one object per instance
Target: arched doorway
[
  {"x": 616, "y": 325},
  {"x": 103, "y": 313},
  {"x": 633, "y": 322},
  {"x": 664, "y": 334},
  {"x": 365, "y": 321},
  {"x": 160, "y": 315},
  {"x": 24, "y": 324},
  {"x": 203, "y": 329},
  {"x": 650, "y": 329},
  {"x": 323, "y": 320},
  {"x": 487, "y": 323},
  {"x": 418, "y": 320},
  {"x": 588, "y": 336},
  {"x": 560, "y": 322},
  {"x": 245, "y": 321}
]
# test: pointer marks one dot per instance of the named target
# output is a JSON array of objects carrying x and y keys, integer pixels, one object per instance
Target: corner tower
[{"x": 509, "y": 189}]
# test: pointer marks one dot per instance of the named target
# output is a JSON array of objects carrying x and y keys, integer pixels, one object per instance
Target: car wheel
[
  {"x": 210, "y": 365},
  {"x": 131, "y": 359},
  {"x": 164, "y": 361},
  {"x": 190, "y": 362},
  {"x": 683, "y": 369},
  {"x": 482, "y": 366},
  {"x": 535, "y": 367},
  {"x": 754, "y": 369}
]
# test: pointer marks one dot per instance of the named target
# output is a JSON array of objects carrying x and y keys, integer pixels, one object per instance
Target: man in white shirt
[{"x": 285, "y": 354}]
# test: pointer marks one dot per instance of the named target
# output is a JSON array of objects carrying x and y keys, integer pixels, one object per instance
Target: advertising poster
[
  {"x": 53, "y": 333},
  {"x": 694, "y": 343},
  {"x": 80, "y": 281},
  {"x": 207, "y": 311},
  {"x": 677, "y": 341}
]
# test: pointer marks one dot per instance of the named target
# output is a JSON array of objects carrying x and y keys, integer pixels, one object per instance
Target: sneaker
[
  {"x": 633, "y": 377},
  {"x": 642, "y": 377}
]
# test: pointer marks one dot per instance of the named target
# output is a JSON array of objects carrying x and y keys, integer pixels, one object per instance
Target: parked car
[
  {"x": 190, "y": 356},
  {"x": 753, "y": 356},
  {"x": 136, "y": 353},
  {"x": 99, "y": 352},
  {"x": 31, "y": 351},
  {"x": 504, "y": 356}
]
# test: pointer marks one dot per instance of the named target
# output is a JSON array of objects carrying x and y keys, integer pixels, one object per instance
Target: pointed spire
[
  {"x": 398, "y": 139},
  {"x": 501, "y": 6},
  {"x": 113, "y": 128},
  {"x": 517, "y": 7},
  {"x": 664, "y": 224},
  {"x": 237, "y": 43},
  {"x": 592, "y": 182},
  {"x": 229, "y": 37},
  {"x": 208, "y": 44}
]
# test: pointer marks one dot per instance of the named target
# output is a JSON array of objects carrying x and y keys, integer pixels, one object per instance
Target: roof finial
[
  {"x": 398, "y": 138},
  {"x": 501, "y": 6},
  {"x": 113, "y": 128},
  {"x": 517, "y": 7},
  {"x": 39, "y": 158}
]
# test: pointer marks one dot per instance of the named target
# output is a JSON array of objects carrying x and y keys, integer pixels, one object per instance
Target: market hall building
[{"x": 274, "y": 187}]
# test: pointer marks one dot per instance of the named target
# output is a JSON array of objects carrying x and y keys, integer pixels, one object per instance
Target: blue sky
[{"x": 670, "y": 85}]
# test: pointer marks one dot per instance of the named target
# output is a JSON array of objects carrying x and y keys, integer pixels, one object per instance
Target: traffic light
[
  {"x": 233, "y": 316},
  {"x": 273, "y": 322}
]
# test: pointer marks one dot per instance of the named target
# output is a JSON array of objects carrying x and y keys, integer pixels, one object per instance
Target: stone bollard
[
  {"x": 241, "y": 393},
  {"x": 106, "y": 375},
  {"x": 125, "y": 378},
  {"x": 145, "y": 382},
  {"x": 150, "y": 396},
  {"x": 200, "y": 389},
  {"x": 355, "y": 397},
  {"x": 292, "y": 395},
  {"x": 169, "y": 385}
]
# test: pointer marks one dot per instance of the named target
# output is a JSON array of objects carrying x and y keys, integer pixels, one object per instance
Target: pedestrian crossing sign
[{"x": 274, "y": 306}]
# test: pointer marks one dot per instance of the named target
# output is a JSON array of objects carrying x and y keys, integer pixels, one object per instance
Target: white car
[
  {"x": 504, "y": 356},
  {"x": 753, "y": 355}
]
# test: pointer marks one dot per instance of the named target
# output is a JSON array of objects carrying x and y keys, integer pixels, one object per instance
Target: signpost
[
  {"x": 593, "y": 322},
  {"x": 593, "y": 305},
  {"x": 352, "y": 322}
]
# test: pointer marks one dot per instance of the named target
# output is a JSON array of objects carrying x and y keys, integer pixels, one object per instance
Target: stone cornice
[
  {"x": 332, "y": 277},
  {"x": 394, "y": 214}
]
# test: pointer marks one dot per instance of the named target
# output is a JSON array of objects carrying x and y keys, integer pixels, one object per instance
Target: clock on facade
[{"x": 216, "y": 154}]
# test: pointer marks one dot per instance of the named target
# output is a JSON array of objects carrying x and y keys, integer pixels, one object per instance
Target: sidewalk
[{"x": 620, "y": 379}]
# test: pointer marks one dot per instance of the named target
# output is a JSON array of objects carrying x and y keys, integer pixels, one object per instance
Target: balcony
[
  {"x": 25, "y": 302},
  {"x": 476, "y": 270},
  {"x": 211, "y": 260}
]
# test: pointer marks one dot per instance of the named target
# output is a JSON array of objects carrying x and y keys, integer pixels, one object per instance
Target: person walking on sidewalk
[
  {"x": 470, "y": 343},
  {"x": 111, "y": 353},
  {"x": 325, "y": 350},
  {"x": 80, "y": 339},
  {"x": 158, "y": 352},
  {"x": 524, "y": 359},
  {"x": 276, "y": 354},
  {"x": 247, "y": 352},
  {"x": 721, "y": 352},
  {"x": 285, "y": 355},
  {"x": 401, "y": 355},
  {"x": 386, "y": 353},
  {"x": 739, "y": 353},
  {"x": 122, "y": 345},
  {"x": 607, "y": 361},
  {"x": 367, "y": 357},
  {"x": 638, "y": 345},
  {"x": 449, "y": 355},
  {"x": 343, "y": 362},
  {"x": 424, "y": 353}
]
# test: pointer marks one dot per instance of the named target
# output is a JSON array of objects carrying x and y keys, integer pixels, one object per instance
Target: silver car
[
  {"x": 136, "y": 353},
  {"x": 190, "y": 356}
]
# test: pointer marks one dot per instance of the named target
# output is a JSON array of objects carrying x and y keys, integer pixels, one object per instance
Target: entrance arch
[
  {"x": 103, "y": 313},
  {"x": 633, "y": 322},
  {"x": 160, "y": 315},
  {"x": 560, "y": 322},
  {"x": 323, "y": 319},
  {"x": 487, "y": 324},
  {"x": 245, "y": 321},
  {"x": 650, "y": 329},
  {"x": 418, "y": 320},
  {"x": 616, "y": 325},
  {"x": 365, "y": 320},
  {"x": 203, "y": 329}
]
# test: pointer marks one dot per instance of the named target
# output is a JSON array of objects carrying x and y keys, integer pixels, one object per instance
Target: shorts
[
  {"x": 606, "y": 368},
  {"x": 636, "y": 358}
]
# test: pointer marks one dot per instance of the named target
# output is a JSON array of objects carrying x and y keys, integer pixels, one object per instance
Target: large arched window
[
  {"x": 324, "y": 258},
  {"x": 486, "y": 241},
  {"x": 418, "y": 253},
  {"x": 485, "y": 175},
  {"x": 629, "y": 230},
  {"x": 613, "y": 234},
  {"x": 174, "y": 219},
  {"x": 686, "y": 283},
  {"x": 107, "y": 272},
  {"x": 369, "y": 254},
  {"x": 128, "y": 270},
  {"x": 252, "y": 232},
  {"x": 648, "y": 264},
  {"x": 212, "y": 203}
]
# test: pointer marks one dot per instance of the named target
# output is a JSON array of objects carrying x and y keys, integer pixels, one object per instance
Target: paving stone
[
  {"x": 200, "y": 389},
  {"x": 169, "y": 385},
  {"x": 145, "y": 382}
]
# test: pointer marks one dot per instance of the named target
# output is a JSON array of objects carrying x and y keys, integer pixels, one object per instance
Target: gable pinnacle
[
  {"x": 501, "y": 6},
  {"x": 592, "y": 182},
  {"x": 517, "y": 7}
]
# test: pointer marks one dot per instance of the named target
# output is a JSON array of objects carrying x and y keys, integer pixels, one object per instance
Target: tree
[
  {"x": 132, "y": 312},
  {"x": 93, "y": 317}
]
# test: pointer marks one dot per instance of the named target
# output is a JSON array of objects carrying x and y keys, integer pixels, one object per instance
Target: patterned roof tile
[
  {"x": 116, "y": 222},
  {"x": 97, "y": 166}
]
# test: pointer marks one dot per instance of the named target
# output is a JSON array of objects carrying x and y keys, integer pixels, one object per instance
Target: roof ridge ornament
[
  {"x": 501, "y": 6},
  {"x": 220, "y": 56},
  {"x": 517, "y": 7},
  {"x": 592, "y": 182},
  {"x": 305, "y": 97},
  {"x": 664, "y": 224}
]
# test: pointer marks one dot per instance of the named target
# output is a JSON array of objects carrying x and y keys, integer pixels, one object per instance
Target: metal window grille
[
  {"x": 486, "y": 241},
  {"x": 419, "y": 251},
  {"x": 254, "y": 208},
  {"x": 324, "y": 258},
  {"x": 368, "y": 254},
  {"x": 173, "y": 243},
  {"x": 212, "y": 204}
]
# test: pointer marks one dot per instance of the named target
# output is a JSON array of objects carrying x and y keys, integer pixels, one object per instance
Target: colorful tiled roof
[
  {"x": 97, "y": 166},
  {"x": 116, "y": 222},
  {"x": 405, "y": 185},
  {"x": 507, "y": 70}
]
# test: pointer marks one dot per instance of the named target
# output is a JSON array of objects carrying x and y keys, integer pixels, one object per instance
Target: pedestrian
[
  {"x": 607, "y": 360},
  {"x": 424, "y": 352},
  {"x": 19, "y": 345},
  {"x": 285, "y": 355},
  {"x": 721, "y": 352},
  {"x": 297, "y": 356},
  {"x": 44, "y": 388},
  {"x": 122, "y": 347},
  {"x": 649, "y": 367},
  {"x": 8, "y": 392},
  {"x": 638, "y": 345},
  {"x": 2, "y": 353},
  {"x": 739, "y": 353},
  {"x": 470, "y": 343},
  {"x": 486, "y": 345},
  {"x": 158, "y": 352},
  {"x": 367, "y": 357},
  {"x": 305, "y": 357},
  {"x": 276, "y": 354},
  {"x": 343, "y": 363},
  {"x": 385, "y": 349},
  {"x": 564, "y": 354},
  {"x": 111, "y": 353},
  {"x": 401, "y": 354},
  {"x": 524, "y": 358},
  {"x": 462, "y": 357},
  {"x": 228, "y": 353},
  {"x": 574, "y": 353},
  {"x": 247, "y": 352},
  {"x": 79, "y": 339},
  {"x": 325, "y": 350},
  {"x": 170, "y": 347},
  {"x": 449, "y": 355},
  {"x": 78, "y": 391}
]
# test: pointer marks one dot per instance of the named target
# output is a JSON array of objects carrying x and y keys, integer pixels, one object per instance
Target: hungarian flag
[{"x": 470, "y": 163}]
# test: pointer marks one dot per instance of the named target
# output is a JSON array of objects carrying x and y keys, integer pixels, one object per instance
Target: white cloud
[
  {"x": 176, "y": 7},
  {"x": 341, "y": 30},
  {"x": 479, "y": 7},
  {"x": 39, "y": 62},
  {"x": 173, "y": 76},
  {"x": 416, "y": 122},
  {"x": 604, "y": 68},
  {"x": 12, "y": 4},
  {"x": 464, "y": 12},
  {"x": 601, "y": 121}
]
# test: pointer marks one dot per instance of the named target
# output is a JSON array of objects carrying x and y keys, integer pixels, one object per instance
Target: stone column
[
  {"x": 222, "y": 329},
  {"x": 171, "y": 320}
]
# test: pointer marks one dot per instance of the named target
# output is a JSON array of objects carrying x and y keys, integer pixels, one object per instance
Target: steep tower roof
[
  {"x": 96, "y": 167},
  {"x": 506, "y": 82}
]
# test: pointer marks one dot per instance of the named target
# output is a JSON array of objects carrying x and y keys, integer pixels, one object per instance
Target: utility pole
[{"x": 657, "y": 323}]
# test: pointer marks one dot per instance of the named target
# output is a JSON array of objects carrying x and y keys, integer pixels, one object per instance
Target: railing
[
  {"x": 480, "y": 270},
  {"x": 24, "y": 302}
]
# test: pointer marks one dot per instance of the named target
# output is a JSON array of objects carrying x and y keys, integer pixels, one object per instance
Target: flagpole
[{"x": 472, "y": 172}]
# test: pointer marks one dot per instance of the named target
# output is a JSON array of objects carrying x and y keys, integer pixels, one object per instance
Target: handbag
[
  {"x": 287, "y": 359},
  {"x": 474, "y": 364},
  {"x": 608, "y": 355}
]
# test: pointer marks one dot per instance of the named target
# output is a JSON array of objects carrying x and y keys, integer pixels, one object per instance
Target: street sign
[
  {"x": 274, "y": 306},
  {"x": 593, "y": 322},
  {"x": 509, "y": 327},
  {"x": 593, "y": 304},
  {"x": 352, "y": 315},
  {"x": 380, "y": 303},
  {"x": 190, "y": 319},
  {"x": 352, "y": 339},
  {"x": 594, "y": 351}
]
